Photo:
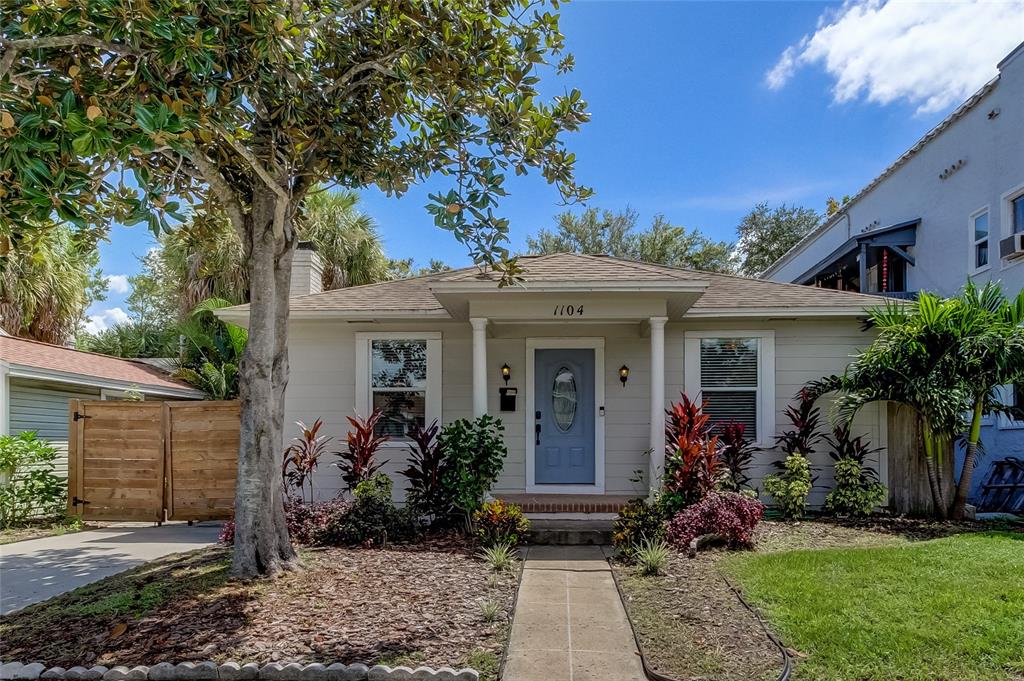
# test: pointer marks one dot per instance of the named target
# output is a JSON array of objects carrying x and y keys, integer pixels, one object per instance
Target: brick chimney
[{"x": 307, "y": 271}]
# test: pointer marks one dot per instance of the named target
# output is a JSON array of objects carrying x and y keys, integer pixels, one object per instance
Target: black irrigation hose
[{"x": 653, "y": 675}]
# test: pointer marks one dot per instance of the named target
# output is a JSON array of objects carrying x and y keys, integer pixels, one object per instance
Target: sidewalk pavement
[{"x": 569, "y": 623}]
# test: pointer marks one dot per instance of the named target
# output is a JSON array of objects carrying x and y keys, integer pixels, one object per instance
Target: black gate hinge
[
  {"x": 75, "y": 501},
  {"x": 78, "y": 416}
]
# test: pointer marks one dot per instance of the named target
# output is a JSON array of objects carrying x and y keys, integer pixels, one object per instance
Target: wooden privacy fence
[{"x": 152, "y": 461}]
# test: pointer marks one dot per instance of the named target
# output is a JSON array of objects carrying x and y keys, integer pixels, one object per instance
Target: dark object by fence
[{"x": 1003, "y": 492}]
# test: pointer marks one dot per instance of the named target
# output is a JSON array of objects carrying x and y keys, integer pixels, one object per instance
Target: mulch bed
[
  {"x": 402, "y": 605},
  {"x": 692, "y": 626}
]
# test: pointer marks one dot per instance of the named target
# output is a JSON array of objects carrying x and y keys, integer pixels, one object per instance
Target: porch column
[
  {"x": 657, "y": 463},
  {"x": 479, "y": 365}
]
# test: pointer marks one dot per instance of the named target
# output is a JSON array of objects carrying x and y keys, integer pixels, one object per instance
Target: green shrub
[
  {"x": 790, "y": 488},
  {"x": 637, "y": 521},
  {"x": 474, "y": 455},
  {"x": 500, "y": 557},
  {"x": 372, "y": 520},
  {"x": 28, "y": 487},
  {"x": 856, "y": 492},
  {"x": 499, "y": 522},
  {"x": 652, "y": 557}
]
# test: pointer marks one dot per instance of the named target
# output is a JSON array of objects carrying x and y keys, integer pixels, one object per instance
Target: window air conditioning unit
[{"x": 1012, "y": 246}]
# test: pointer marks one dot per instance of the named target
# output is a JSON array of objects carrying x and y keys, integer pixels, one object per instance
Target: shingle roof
[
  {"x": 30, "y": 353},
  {"x": 724, "y": 292}
]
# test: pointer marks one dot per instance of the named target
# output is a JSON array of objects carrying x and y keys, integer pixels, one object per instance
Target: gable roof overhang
[
  {"x": 898, "y": 236},
  {"x": 619, "y": 301}
]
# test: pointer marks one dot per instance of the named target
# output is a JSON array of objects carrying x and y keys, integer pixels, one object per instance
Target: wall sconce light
[
  {"x": 624, "y": 374},
  {"x": 506, "y": 372}
]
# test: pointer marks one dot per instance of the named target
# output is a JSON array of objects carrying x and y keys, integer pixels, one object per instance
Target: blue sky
[{"x": 700, "y": 110}]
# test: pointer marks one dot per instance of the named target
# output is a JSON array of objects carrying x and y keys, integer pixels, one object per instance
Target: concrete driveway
[{"x": 38, "y": 569}]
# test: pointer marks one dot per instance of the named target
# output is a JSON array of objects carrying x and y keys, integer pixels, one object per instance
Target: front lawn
[
  {"x": 413, "y": 605},
  {"x": 950, "y": 608}
]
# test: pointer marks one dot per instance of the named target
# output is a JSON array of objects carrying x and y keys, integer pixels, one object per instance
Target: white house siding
[
  {"x": 323, "y": 385},
  {"x": 44, "y": 409}
]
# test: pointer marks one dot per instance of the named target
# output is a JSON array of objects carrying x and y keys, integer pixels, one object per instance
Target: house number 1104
[{"x": 568, "y": 311}]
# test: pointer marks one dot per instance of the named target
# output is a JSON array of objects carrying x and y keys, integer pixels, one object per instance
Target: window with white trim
[
  {"x": 399, "y": 374},
  {"x": 1017, "y": 215},
  {"x": 979, "y": 240},
  {"x": 734, "y": 373},
  {"x": 1012, "y": 396}
]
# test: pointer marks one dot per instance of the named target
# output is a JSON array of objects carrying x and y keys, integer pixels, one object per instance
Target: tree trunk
[
  {"x": 963, "y": 488},
  {"x": 262, "y": 545},
  {"x": 930, "y": 446}
]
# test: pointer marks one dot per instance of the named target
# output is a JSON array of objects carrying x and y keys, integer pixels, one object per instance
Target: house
[
  {"x": 37, "y": 380},
  {"x": 579, "y": 361},
  {"x": 951, "y": 207}
]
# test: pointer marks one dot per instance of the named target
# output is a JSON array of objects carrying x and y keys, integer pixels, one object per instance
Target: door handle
[{"x": 536, "y": 431}]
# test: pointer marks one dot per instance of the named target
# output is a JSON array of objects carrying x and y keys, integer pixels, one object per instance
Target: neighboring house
[
  {"x": 37, "y": 380},
  {"x": 433, "y": 348},
  {"x": 950, "y": 208}
]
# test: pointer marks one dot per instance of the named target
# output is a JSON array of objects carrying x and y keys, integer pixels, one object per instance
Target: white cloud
[
  {"x": 105, "y": 319},
  {"x": 931, "y": 54},
  {"x": 118, "y": 283}
]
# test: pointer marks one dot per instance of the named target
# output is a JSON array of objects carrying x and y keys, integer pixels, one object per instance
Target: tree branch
[
  {"x": 359, "y": 7},
  {"x": 375, "y": 65},
  {"x": 13, "y": 47},
  {"x": 254, "y": 163},
  {"x": 223, "y": 191}
]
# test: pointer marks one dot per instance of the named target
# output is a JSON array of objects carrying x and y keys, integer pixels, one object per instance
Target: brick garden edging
[{"x": 233, "y": 671}]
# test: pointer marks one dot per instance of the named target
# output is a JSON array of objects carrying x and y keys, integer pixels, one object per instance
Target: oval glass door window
[{"x": 563, "y": 398}]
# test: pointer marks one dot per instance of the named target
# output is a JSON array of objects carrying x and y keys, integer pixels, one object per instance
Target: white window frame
[
  {"x": 765, "y": 436},
  {"x": 432, "y": 398},
  {"x": 1006, "y": 210},
  {"x": 972, "y": 261},
  {"x": 1005, "y": 422}
]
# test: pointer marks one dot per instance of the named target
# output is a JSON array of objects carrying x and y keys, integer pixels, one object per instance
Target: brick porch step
[{"x": 567, "y": 503}]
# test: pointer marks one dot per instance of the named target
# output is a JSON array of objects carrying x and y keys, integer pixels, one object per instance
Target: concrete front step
[{"x": 570, "y": 532}]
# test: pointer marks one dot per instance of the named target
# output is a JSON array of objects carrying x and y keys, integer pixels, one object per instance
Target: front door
[{"x": 564, "y": 417}]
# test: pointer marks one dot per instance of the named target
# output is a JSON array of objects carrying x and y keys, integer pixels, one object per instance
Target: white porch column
[
  {"x": 479, "y": 365},
  {"x": 657, "y": 463}
]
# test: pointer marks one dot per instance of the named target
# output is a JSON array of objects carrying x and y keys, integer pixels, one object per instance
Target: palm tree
[
  {"x": 346, "y": 239},
  {"x": 943, "y": 358},
  {"x": 46, "y": 284},
  {"x": 211, "y": 351},
  {"x": 991, "y": 354}
]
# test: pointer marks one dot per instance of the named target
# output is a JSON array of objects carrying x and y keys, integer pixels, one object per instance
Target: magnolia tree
[{"x": 130, "y": 111}]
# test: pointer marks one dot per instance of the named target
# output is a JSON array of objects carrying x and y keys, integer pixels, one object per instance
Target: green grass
[{"x": 947, "y": 609}]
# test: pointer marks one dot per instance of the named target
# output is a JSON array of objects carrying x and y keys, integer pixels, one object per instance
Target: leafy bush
[
  {"x": 735, "y": 453},
  {"x": 500, "y": 557},
  {"x": 791, "y": 487},
  {"x": 637, "y": 521},
  {"x": 857, "y": 490},
  {"x": 372, "y": 519},
  {"x": 730, "y": 516},
  {"x": 358, "y": 463},
  {"x": 652, "y": 557},
  {"x": 302, "y": 458},
  {"x": 307, "y": 523},
  {"x": 692, "y": 466},
  {"x": 805, "y": 418},
  {"x": 474, "y": 453},
  {"x": 499, "y": 522},
  {"x": 427, "y": 465},
  {"x": 28, "y": 487}
]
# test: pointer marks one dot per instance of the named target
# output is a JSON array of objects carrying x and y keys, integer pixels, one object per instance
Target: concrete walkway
[
  {"x": 569, "y": 623},
  {"x": 38, "y": 569}
]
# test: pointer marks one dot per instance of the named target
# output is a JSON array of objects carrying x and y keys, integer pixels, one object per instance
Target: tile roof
[
  {"x": 414, "y": 295},
  {"x": 29, "y": 353}
]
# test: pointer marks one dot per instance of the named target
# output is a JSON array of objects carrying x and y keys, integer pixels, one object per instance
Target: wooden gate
[{"x": 152, "y": 461}]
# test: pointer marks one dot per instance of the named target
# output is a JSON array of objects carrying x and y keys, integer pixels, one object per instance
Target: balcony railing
[{"x": 899, "y": 295}]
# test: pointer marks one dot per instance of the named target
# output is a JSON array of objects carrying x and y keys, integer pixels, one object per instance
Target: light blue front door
[{"x": 564, "y": 417}]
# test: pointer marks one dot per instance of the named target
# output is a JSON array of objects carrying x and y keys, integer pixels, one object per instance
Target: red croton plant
[{"x": 692, "y": 465}]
